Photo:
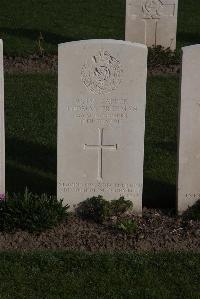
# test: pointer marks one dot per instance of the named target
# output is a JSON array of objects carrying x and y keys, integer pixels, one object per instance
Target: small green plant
[
  {"x": 126, "y": 225},
  {"x": 120, "y": 206},
  {"x": 31, "y": 212},
  {"x": 159, "y": 56},
  {"x": 99, "y": 209},
  {"x": 94, "y": 208},
  {"x": 39, "y": 45}
]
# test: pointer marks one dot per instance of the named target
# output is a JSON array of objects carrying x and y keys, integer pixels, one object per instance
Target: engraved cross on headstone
[{"x": 100, "y": 147}]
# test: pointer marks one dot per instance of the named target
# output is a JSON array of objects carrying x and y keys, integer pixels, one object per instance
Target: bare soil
[
  {"x": 172, "y": 69},
  {"x": 31, "y": 64},
  {"x": 49, "y": 63},
  {"x": 156, "y": 232}
]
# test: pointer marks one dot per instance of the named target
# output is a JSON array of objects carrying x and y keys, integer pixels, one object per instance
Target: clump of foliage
[
  {"x": 99, "y": 209},
  {"x": 120, "y": 206},
  {"x": 31, "y": 212},
  {"x": 159, "y": 56},
  {"x": 94, "y": 208},
  {"x": 127, "y": 225},
  {"x": 193, "y": 213}
]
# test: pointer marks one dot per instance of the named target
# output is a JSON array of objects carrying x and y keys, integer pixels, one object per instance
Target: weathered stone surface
[
  {"x": 152, "y": 22},
  {"x": 101, "y": 120},
  {"x": 2, "y": 131},
  {"x": 189, "y": 142}
]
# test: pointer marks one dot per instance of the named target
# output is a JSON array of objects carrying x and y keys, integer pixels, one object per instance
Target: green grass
[
  {"x": 58, "y": 21},
  {"x": 66, "y": 20},
  {"x": 79, "y": 275},
  {"x": 161, "y": 141},
  {"x": 31, "y": 103},
  {"x": 31, "y": 113}
]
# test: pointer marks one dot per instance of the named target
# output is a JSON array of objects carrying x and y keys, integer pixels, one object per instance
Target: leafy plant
[
  {"x": 158, "y": 56},
  {"x": 127, "y": 225},
  {"x": 98, "y": 209},
  {"x": 31, "y": 212},
  {"x": 94, "y": 208},
  {"x": 120, "y": 206}
]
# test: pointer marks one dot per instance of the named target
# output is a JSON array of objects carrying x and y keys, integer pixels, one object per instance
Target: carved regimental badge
[
  {"x": 155, "y": 9},
  {"x": 102, "y": 73},
  {"x": 151, "y": 9}
]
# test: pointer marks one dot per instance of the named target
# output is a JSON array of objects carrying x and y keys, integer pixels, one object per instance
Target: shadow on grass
[
  {"x": 33, "y": 34},
  {"x": 158, "y": 194},
  {"x": 17, "y": 179},
  {"x": 30, "y": 165},
  {"x": 188, "y": 38},
  {"x": 34, "y": 166},
  {"x": 30, "y": 154}
]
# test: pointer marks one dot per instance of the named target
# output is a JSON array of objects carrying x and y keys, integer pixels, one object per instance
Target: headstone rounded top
[
  {"x": 104, "y": 41},
  {"x": 191, "y": 47}
]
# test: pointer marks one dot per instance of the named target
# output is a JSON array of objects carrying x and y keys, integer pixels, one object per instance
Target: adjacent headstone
[
  {"x": 2, "y": 132},
  {"x": 152, "y": 22},
  {"x": 101, "y": 120},
  {"x": 189, "y": 141}
]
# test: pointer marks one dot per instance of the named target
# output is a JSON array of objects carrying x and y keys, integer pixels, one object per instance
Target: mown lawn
[
  {"x": 66, "y": 20},
  {"x": 76, "y": 275},
  {"x": 31, "y": 123}
]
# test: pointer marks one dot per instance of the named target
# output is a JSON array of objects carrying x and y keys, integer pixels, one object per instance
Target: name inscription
[{"x": 107, "y": 111}]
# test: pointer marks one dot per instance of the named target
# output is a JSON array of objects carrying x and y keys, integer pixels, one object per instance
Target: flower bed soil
[
  {"x": 31, "y": 64},
  {"x": 156, "y": 231},
  {"x": 49, "y": 63}
]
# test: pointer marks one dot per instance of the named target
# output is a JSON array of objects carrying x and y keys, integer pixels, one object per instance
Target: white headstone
[
  {"x": 189, "y": 141},
  {"x": 101, "y": 120},
  {"x": 152, "y": 22},
  {"x": 2, "y": 132}
]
